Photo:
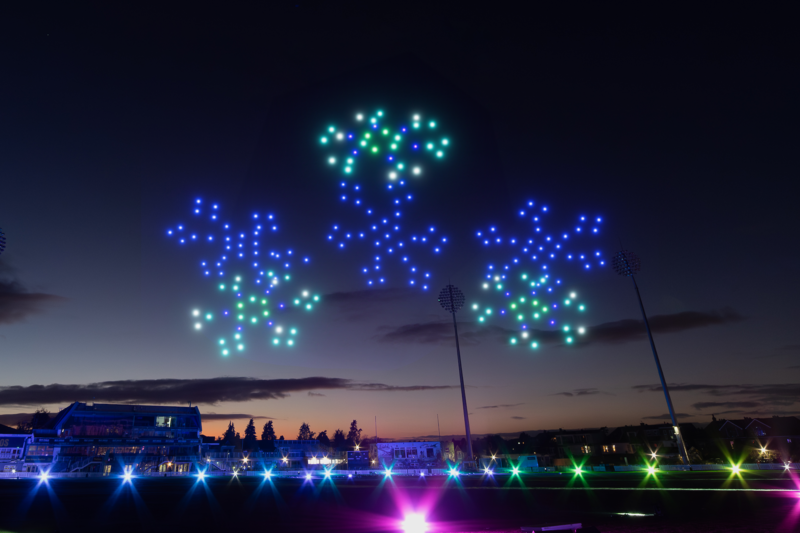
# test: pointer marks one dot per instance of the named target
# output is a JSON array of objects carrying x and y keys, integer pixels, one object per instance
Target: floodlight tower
[
  {"x": 627, "y": 264},
  {"x": 452, "y": 299}
]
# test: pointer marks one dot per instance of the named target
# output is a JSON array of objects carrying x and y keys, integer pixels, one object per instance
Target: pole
[
  {"x": 438, "y": 427},
  {"x": 461, "y": 376},
  {"x": 376, "y": 430},
  {"x": 675, "y": 427}
]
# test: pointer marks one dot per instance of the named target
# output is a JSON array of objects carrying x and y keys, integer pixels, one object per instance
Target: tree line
[{"x": 340, "y": 440}]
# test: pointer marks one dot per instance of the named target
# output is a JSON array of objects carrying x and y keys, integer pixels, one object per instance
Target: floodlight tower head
[
  {"x": 626, "y": 263},
  {"x": 2, "y": 241},
  {"x": 451, "y": 299}
]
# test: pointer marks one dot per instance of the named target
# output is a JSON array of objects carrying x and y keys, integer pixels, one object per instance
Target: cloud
[
  {"x": 666, "y": 416},
  {"x": 580, "y": 392},
  {"x": 229, "y": 416},
  {"x": 744, "y": 395},
  {"x": 315, "y": 393},
  {"x": 469, "y": 333},
  {"x": 181, "y": 391},
  {"x": 517, "y": 418},
  {"x": 630, "y": 330},
  {"x": 17, "y": 303},
  {"x": 500, "y": 406},
  {"x": 790, "y": 348},
  {"x": 608, "y": 333},
  {"x": 793, "y": 367},
  {"x": 733, "y": 405},
  {"x": 14, "y": 419}
]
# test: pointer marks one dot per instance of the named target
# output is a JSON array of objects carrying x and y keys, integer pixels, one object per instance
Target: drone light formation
[
  {"x": 255, "y": 281},
  {"x": 2, "y": 241},
  {"x": 524, "y": 286},
  {"x": 405, "y": 152}
]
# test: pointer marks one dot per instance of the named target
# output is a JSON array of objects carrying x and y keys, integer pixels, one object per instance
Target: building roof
[
  {"x": 79, "y": 407},
  {"x": 128, "y": 408},
  {"x": 776, "y": 426}
]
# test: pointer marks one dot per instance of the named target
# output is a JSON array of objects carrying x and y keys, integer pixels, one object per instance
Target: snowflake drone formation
[
  {"x": 256, "y": 283},
  {"x": 523, "y": 287},
  {"x": 403, "y": 152}
]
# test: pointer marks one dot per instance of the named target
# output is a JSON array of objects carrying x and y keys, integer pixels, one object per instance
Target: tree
[
  {"x": 339, "y": 439},
  {"x": 38, "y": 420},
  {"x": 269, "y": 432},
  {"x": 250, "y": 436},
  {"x": 229, "y": 437},
  {"x": 305, "y": 433},
  {"x": 323, "y": 438},
  {"x": 354, "y": 435}
]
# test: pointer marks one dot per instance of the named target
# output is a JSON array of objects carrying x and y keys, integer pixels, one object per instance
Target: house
[
  {"x": 577, "y": 443},
  {"x": 770, "y": 439}
]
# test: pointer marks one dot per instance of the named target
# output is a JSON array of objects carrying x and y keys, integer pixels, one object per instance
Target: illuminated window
[{"x": 605, "y": 449}]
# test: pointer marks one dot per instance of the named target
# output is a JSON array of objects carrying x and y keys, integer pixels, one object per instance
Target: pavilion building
[{"x": 110, "y": 438}]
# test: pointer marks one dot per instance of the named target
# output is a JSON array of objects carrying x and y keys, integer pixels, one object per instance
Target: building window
[
  {"x": 605, "y": 449},
  {"x": 614, "y": 448}
]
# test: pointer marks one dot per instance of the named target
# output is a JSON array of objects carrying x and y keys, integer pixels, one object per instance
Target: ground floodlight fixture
[
  {"x": 451, "y": 299},
  {"x": 626, "y": 263}
]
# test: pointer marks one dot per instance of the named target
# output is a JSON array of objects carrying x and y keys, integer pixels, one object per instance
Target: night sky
[{"x": 678, "y": 128}]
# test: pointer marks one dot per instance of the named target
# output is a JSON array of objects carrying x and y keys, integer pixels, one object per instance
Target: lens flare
[{"x": 414, "y": 523}]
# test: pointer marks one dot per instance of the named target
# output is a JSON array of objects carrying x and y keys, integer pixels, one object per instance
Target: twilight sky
[{"x": 678, "y": 129}]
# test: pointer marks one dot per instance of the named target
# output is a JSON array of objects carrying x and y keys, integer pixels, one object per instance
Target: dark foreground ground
[{"x": 687, "y": 502}]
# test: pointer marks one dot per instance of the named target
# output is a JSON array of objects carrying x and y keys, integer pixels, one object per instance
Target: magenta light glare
[{"x": 414, "y": 523}]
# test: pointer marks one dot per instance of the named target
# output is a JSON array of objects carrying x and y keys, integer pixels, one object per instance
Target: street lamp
[
  {"x": 627, "y": 264},
  {"x": 452, "y": 299}
]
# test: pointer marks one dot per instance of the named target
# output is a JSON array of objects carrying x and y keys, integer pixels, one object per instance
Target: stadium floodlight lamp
[
  {"x": 627, "y": 264},
  {"x": 452, "y": 300}
]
